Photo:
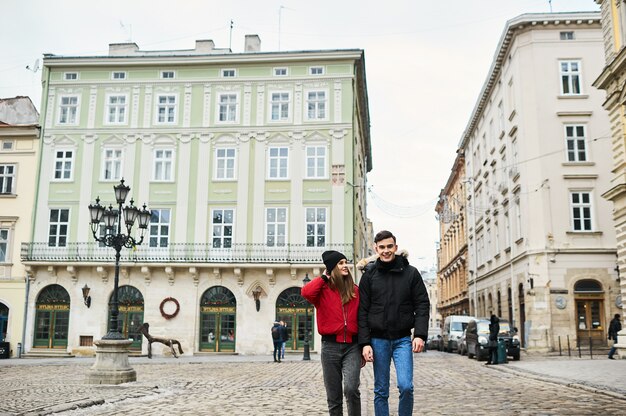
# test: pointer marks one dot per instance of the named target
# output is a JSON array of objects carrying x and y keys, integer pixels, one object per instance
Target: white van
[{"x": 453, "y": 327}]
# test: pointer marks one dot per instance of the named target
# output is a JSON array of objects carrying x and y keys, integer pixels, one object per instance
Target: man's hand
[
  {"x": 418, "y": 345},
  {"x": 368, "y": 353}
]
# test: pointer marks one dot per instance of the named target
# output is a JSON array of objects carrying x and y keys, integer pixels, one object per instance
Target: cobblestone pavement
[{"x": 445, "y": 384}]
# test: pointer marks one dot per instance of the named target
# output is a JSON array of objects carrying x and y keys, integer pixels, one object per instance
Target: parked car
[
  {"x": 477, "y": 339},
  {"x": 453, "y": 327},
  {"x": 433, "y": 342},
  {"x": 462, "y": 349}
]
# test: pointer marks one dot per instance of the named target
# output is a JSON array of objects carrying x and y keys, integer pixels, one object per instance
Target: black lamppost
[
  {"x": 113, "y": 237},
  {"x": 307, "y": 355}
]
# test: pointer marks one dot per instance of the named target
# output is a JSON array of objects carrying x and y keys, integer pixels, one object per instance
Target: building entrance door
[
  {"x": 218, "y": 311},
  {"x": 297, "y": 313},
  {"x": 130, "y": 315},
  {"x": 52, "y": 317},
  {"x": 589, "y": 301}
]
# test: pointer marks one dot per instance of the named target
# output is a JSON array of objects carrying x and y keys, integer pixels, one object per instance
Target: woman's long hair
[{"x": 343, "y": 285}]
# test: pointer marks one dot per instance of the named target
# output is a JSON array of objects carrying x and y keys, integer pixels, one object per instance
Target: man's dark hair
[
  {"x": 384, "y": 234},
  {"x": 617, "y": 316}
]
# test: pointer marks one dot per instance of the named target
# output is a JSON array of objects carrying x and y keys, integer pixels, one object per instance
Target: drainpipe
[{"x": 25, "y": 317}]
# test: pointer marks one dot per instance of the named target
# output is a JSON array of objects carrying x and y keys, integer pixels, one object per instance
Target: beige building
[
  {"x": 19, "y": 142},
  {"x": 536, "y": 149},
  {"x": 452, "y": 255},
  {"x": 612, "y": 81}
]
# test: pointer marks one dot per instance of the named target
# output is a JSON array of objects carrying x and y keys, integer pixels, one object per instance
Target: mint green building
[{"x": 252, "y": 163}]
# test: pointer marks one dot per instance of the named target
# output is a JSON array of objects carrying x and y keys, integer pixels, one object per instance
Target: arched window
[
  {"x": 588, "y": 286},
  {"x": 130, "y": 314},
  {"x": 218, "y": 313}
]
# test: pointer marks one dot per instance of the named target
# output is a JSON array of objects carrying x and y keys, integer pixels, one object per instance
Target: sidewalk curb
[
  {"x": 80, "y": 404},
  {"x": 567, "y": 383}
]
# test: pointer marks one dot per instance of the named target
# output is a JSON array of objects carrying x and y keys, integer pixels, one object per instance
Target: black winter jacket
[{"x": 393, "y": 302}]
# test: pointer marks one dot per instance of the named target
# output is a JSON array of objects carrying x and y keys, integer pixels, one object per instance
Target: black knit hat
[{"x": 331, "y": 258}]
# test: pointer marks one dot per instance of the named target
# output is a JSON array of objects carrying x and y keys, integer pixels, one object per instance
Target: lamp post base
[{"x": 111, "y": 366}]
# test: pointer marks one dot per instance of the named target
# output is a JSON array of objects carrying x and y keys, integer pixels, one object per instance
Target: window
[
  {"x": 278, "y": 162},
  {"x": 118, "y": 75},
  {"x": 276, "y": 227},
  {"x": 228, "y": 73},
  {"x": 501, "y": 116},
  {"x": 159, "y": 228},
  {"x": 59, "y": 223},
  {"x": 166, "y": 109},
  {"x": 70, "y": 76},
  {"x": 316, "y": 162},
  {"x": 280, "y": 72},
  {"x": 576, "y": 148},
  {"x": 4, "y": 244},
  {"x": 163, "y": 165},
  {"x": 315, "y": 227},
  {"x": 566, "y": 35},
  {"x": 7, "y": 179},
  {"x": 7, "y": 145},
  {"x": 570, "y": 77},
  {"x": 116, "y": 109},
  {"x": 111, "y": 164},
  {"x": 167, "y": 74},
  {"x": 316, "y": 70},
  {"x": 225, "y": 163},
  {"x": 223, "y": 228},
  {"x": 63, "y": 164},
  {"x": 227, "y": 108},
  {"x": 507, "y": 230},
  {"x": 280, "y": 106},
  {"x": 316, "y": 105},
  {"x": 581, "y": 211},
  {"x": 68, "y": 110}
]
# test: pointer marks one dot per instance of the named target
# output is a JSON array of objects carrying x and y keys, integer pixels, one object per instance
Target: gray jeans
[{"x": 342, "y": 362}]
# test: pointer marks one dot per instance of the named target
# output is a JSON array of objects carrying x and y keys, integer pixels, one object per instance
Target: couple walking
[{"x": 369, "y": 323}]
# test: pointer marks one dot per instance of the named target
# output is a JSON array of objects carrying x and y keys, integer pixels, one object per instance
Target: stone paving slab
[{"x": 445, "y": 384}]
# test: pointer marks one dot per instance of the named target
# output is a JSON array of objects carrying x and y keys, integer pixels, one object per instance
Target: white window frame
[
  {"x": 276, "y": 227},
  {"x": 120, "y": 109},
  {"x": 567, "y": 35},
  {"x": 315, "y": 223},
  {"x": 70, "y": 110},
  {"x": 168, "y": 71},
  {"x": 229, "y": 107},
  {"x": 229, "y": 72},
  {"x": 280, "y": 71},
  {"x": 170, "y": 108},
  {"x": 159, "y": 235},
  {"x": 58, "y": 235},
  {"x": 281, "y": 168},
  {"x": 570, "y": 74},
  {"x": 5, "y": 245},
  {"x": 112, "y": 163},
  {"x": 222, "y": 227},
  {"x": 581, "y": 206},
  {"x": 573, "y": 155},
  {"x": 70, "y": 76},
  {"x": 63, "y": 160},
  {"x": 222, "y": 171},
  {"x": 163, "y": 165},
  {"x": 122, "y": 75},
  {"x": 319, "y": 105},
  {"x": 281, "y": 102},
  {"x": 8, "y": 179},
  {"x": 315, "y": 160},
  {"x": 313, "y": 70}
]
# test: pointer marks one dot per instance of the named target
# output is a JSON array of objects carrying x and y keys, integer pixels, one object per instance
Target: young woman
[{"x": 336, "y": 298}]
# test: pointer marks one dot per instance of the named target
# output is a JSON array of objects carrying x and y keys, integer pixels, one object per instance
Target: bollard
[
  {"x": 19, "y": 350},
  {"x": 569, "y": 349},
  {"x": 560, "y": 354},
  {"x": 590, "y": 348},
  {"x": 580, "y": 355}
]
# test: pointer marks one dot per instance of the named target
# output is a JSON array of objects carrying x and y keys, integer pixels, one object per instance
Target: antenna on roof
[
  {"x": 550, "y": 3},
  {"x": 35, "y": 67},
  {"x": 280, "y": 10},
  {"x": 130, "y": 31},
  {"x": 230, "y": 40}
]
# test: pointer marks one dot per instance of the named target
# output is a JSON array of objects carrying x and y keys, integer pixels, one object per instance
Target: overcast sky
[{"x": 425, "y": 60}]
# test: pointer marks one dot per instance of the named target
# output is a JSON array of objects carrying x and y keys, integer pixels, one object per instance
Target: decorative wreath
[{"x": 169, "y": 315}]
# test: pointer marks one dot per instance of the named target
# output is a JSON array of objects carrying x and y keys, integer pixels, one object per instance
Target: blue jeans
[
  {"x": 401, "y": 352},
  {"x": 342, "y": 363},
  {"x": 277, "y": 346}
]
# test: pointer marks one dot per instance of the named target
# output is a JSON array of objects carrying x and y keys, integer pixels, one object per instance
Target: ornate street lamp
[
  {"x": 307, "y": 355},
  {"x": 113, "y": 237},
  {"x": 112, "y": 366}
]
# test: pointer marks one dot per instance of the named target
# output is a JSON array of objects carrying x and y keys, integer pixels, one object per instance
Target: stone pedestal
[
  {"x": 111, "y": 366},
  {"x": 621, "y": 344}
]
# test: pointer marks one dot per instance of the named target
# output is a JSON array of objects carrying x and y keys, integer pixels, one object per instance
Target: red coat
[{"x": 333, "y": 318}]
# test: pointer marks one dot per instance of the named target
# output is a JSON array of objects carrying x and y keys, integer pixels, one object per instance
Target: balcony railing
[{"x": 180, "y": 253}]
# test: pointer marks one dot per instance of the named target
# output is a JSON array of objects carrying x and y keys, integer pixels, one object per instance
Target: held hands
[
  {"x": 418, "y": 345},
  {"x": 368, "y": 354}
]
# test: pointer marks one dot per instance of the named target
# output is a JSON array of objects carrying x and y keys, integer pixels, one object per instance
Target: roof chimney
[
  {"x": 253, "y": 43},
  {"x": 123, "y": 49},
  {"x": 204, "y": 46}
]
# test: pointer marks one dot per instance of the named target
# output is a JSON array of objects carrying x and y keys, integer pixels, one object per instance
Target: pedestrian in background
[
  {"x": 276, "y": 338},
  {"x": 284, "y": 336},
  {"x": 614, "y": 327},
  {"x": 394, "y": 301},
  {"x": 494, "y": 330},
  {"x": 336, "y": 299}
]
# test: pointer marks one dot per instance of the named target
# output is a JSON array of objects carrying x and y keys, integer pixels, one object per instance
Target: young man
[
  {"x": 393, "y": 302},
  {"x": 614, "y": 327}
]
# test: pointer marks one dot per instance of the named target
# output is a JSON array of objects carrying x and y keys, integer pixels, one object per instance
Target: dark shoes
[{"x": 611, "y": 358}]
